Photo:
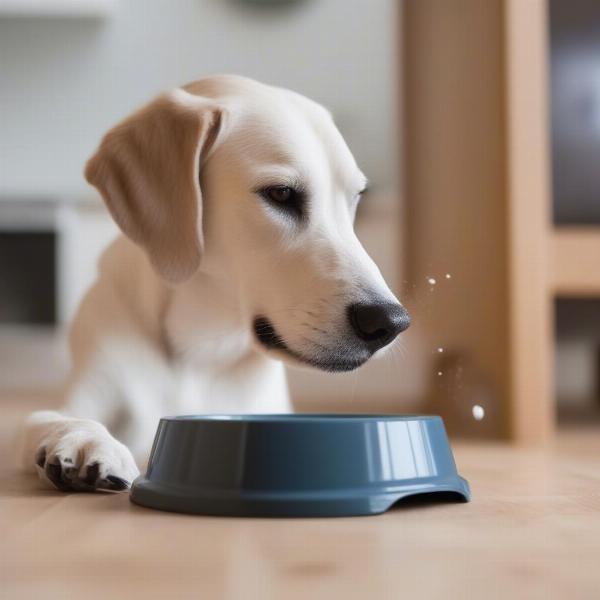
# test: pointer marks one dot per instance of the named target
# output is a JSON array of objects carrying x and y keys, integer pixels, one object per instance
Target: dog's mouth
[{"x": 267, "y": 336}]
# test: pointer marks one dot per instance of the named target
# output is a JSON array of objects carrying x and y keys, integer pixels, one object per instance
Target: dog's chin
[{"x": 270, "y": 341}]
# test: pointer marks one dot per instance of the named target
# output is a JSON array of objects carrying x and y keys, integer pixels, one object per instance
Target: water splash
[
  {"x": 431, "y": 281},
  {"x": 478, "y": 412}
]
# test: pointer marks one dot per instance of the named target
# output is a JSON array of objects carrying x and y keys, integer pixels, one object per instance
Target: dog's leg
[
  {"x": 76, "y": 454},
  {"x": 119, "y": 392}
]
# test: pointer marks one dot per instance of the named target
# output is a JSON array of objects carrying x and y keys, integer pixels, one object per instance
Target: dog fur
[{"x": 167, "y": 328}]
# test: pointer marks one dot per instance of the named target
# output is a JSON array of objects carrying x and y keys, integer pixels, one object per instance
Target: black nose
[{"x": 378, "y": 324}]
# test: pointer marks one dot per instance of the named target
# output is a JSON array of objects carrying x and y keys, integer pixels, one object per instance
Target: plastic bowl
[{"x": 297, "y": 465}]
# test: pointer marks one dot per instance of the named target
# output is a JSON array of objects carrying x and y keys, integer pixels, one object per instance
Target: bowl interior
[{"x": 297, "y": 417}]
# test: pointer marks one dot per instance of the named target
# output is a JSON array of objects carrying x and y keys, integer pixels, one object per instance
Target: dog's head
[{"x": 254, "y": 185}]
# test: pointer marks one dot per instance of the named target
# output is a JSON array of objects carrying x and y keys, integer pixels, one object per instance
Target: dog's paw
[{"x": 82, "y": 456}]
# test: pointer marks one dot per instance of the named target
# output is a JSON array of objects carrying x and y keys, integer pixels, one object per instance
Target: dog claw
[
  {"x": 54, "y": 473},
  {"x": 65, "y": 479},
  {"x": 70, "y": 473},
  {"x": 117, "y": 484},
  {"x": 40, "y": 458},
  {"x": 92, "y": 474}
]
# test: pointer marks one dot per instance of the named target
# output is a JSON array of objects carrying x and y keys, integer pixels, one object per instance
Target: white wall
[{"x": 64, "y": 82}]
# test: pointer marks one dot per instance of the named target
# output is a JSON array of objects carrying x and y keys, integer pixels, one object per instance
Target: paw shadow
[{"x": 15, "y": 483}]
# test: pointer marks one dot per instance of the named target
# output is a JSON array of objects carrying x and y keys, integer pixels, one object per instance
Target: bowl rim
[{"x": 298, "y": 417}]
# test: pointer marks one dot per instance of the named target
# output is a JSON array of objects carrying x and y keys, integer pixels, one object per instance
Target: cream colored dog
[{"x": 237, "y": 202}]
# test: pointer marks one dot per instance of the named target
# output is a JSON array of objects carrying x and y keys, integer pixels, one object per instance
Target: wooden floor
[{"x": 531, "y": 531}]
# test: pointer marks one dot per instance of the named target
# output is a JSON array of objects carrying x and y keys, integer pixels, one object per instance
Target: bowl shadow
[{"x": 427, "y": 500}]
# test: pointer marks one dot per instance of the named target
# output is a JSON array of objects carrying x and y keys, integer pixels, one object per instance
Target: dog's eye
[
  {"x": 280, "y": 194},
  {"x": 285, "y": 198}
]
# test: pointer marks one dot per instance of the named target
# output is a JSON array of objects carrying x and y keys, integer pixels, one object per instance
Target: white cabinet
[
  {"x": 35, "y": 356},
  {"x": 84, "y": 231}
]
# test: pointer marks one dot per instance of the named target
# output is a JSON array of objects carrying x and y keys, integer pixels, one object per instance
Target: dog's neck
[
  {"x": 205, "y": 326},
  {"x": 213, "y": 348}
]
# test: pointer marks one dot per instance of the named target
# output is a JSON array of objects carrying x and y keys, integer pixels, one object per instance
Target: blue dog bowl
[{"x": 296, "y": 465}]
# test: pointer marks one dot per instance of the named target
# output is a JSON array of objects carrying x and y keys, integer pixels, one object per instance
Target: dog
[{"x": 236, "y": 201}]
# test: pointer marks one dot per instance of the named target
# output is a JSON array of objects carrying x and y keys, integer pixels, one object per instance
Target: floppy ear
[{"x": 147, "y": 169}]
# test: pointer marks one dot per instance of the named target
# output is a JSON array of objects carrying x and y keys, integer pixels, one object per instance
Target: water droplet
[
  {"x": 431, "y": 281},
  {"x": 440, "y": 373},
  {"x": 478, "y": 412},
  {"x": 448, "y": 276},
  {"x": 440, "y": 350}
]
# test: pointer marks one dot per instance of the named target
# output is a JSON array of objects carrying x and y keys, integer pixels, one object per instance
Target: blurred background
[{"x": 476, "y": 121}]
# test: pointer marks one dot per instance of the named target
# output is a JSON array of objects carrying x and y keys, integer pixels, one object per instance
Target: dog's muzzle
[{"x": 371, "y": 327}]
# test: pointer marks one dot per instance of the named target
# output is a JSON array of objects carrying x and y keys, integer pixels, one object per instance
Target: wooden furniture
[
  {"x": 575, "y": 262},
  {"x": 478, "y": 196},
  {"x": 532, "y": 531}
]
